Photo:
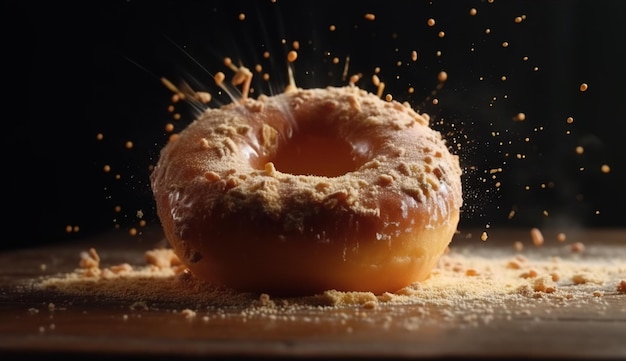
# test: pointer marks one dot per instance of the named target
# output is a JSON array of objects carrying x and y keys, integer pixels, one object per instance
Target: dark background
[{"x": 73, "y": 70}]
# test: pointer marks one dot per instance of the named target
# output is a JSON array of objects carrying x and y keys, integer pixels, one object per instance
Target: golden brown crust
[{"x": 375, "y": 219}]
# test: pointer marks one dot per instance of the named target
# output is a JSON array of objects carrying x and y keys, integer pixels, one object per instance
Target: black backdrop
[{"x": 75, "y": 70}]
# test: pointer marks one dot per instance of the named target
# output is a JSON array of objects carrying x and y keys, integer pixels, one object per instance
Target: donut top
[{"x": 289, "y": 157}]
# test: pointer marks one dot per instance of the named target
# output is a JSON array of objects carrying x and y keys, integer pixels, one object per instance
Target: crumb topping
[{"x": 405, "y": 159}]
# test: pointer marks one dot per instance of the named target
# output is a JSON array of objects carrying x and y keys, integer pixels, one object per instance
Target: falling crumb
[
  {"x": 219, "y": 78},
  {"x": 430, "y": 22},
  {"x": 511, "y": 214},
  {"x": 169, "y": 85},
  {"x": 561, "y": 237},
  {"x": 583, "y": 87},
  {"x": 484, "y": 236},
  {"x": 518, "y": 246},
  {"x": 442, "y": 76},
  {"x": 473, "y": 11},
  {"x": 577, "y": 247},
  {"x": 536, "y": 236},
  {"x": 203, "y": 97},
  {"x": 520, "y": 117},
  {"x": 241, "y": 16},
  {"x": 375, "y": 80},
  {"x": 292, "y": 56},
  {"x": 370, "y": 17},
  {"x": 605, "y": 168}
]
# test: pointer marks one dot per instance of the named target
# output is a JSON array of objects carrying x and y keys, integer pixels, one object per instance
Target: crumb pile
[{"x": 467, "y": 285}]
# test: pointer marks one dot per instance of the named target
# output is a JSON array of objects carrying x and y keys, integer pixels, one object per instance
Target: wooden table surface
[{"x": 77, "y": 327}]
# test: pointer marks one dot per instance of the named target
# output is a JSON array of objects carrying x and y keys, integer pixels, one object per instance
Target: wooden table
[{"x": 35, "y": 323}]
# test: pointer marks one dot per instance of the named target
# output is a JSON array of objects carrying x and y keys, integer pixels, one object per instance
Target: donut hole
[{"x": 318, "y": 154}]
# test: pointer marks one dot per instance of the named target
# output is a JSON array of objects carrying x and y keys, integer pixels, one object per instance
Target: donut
[{"x": 309, "y": 190}]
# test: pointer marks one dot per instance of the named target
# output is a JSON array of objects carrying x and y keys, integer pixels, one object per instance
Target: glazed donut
[{"x": 309, "y": 190}]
